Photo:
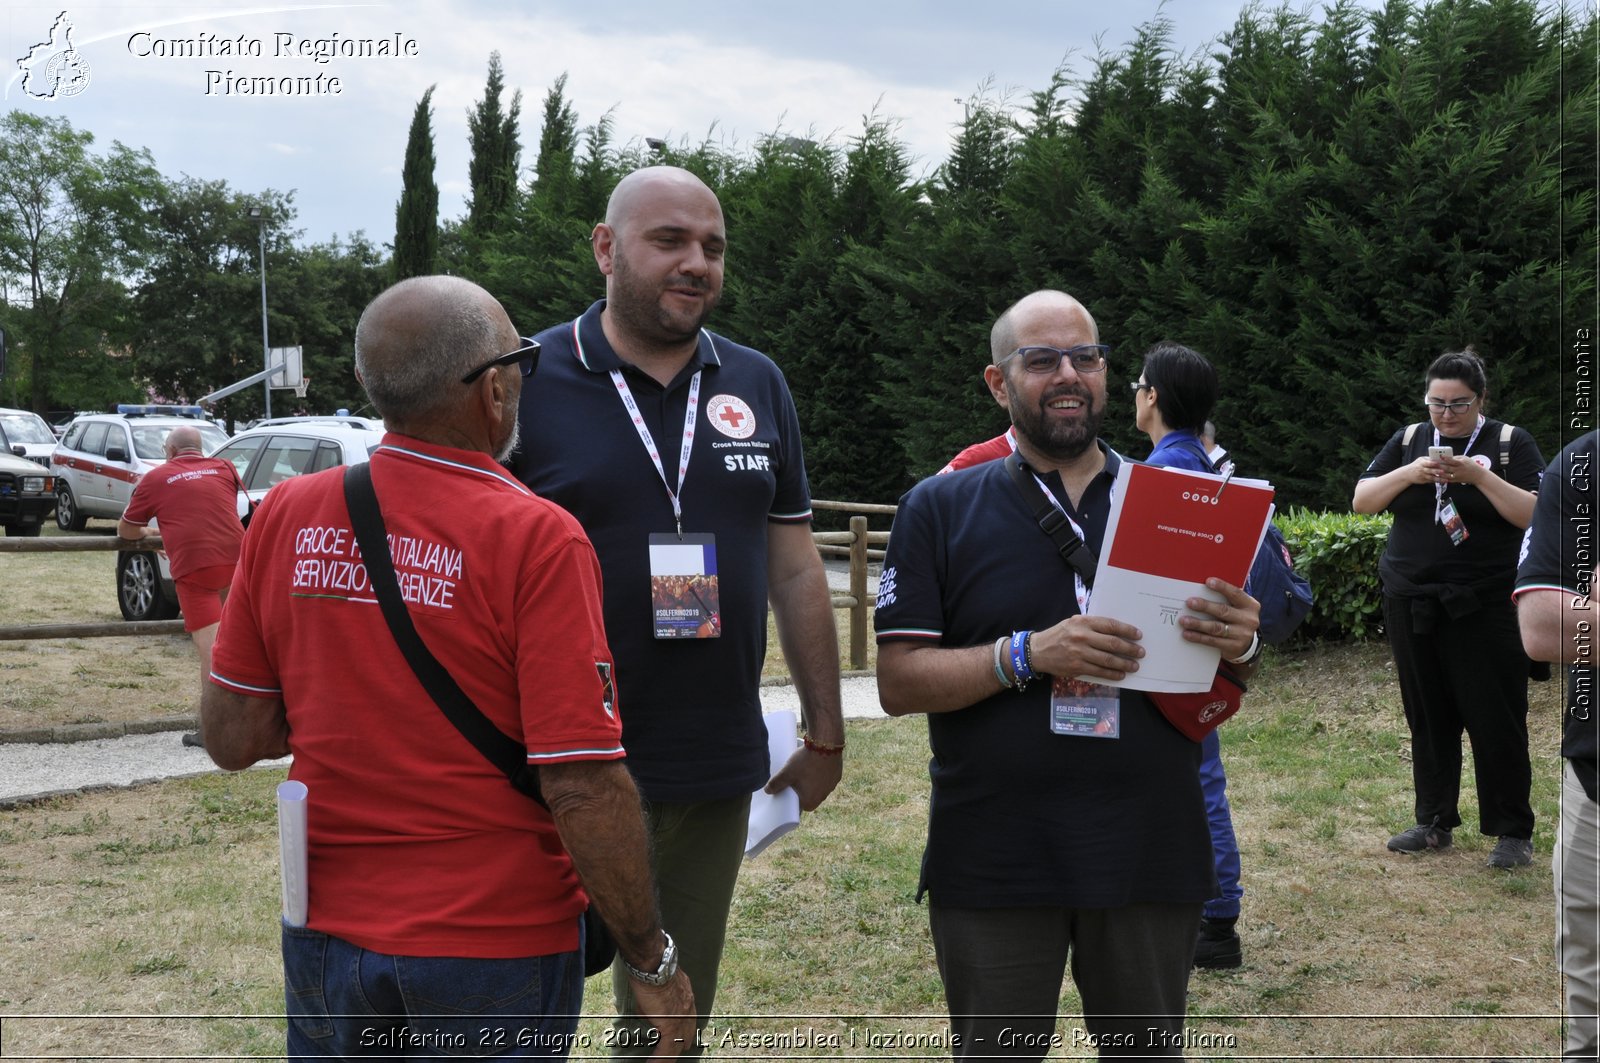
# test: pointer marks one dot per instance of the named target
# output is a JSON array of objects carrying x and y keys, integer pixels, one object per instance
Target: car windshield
[
  {"x": 149, "y": 439},
  {"x": 26, "y": 428}
]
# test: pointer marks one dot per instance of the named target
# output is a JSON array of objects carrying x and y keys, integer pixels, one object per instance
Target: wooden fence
[{"x": 857, "y": 544}]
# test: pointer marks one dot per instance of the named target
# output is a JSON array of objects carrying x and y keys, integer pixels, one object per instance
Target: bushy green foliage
[{"x": 1338, "y": 553}]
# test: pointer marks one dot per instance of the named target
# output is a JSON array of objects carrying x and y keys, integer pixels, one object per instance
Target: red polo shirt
[
  {"x": 195, "y": 500},
  {"x": 418, "y": 845}
]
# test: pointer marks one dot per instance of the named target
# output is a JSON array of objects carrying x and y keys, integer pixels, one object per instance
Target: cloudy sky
[{"x": 166, "y": 76}]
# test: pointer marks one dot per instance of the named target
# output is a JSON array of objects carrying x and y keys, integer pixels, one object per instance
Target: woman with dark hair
[
  {"x": 1172, "y": 399},
  {"x": 1461, "y": 488}
]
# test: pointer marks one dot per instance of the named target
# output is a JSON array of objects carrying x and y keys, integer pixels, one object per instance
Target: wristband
[
  {"x": 1019, "y": 658},
  {"x": 821, "y": 749},
  {"x": 1251, "y": 652},
  {"x": 999, "y": 673}
]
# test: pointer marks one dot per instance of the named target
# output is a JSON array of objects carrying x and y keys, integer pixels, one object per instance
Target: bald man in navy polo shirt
[{"x": 679, "y": 452}]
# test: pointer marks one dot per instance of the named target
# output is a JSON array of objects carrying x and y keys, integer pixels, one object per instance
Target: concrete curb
[{"x": 85, "y": 732}]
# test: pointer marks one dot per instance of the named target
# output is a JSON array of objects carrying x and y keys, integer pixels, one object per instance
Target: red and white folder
[{"x": 1169, "y": 531}]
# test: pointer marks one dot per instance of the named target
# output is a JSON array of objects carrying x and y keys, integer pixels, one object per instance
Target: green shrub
[{"x": 1338, "y": 553}]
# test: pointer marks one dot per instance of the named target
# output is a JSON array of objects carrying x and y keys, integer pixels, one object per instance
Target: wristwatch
[{"x": 664, "y": 970}]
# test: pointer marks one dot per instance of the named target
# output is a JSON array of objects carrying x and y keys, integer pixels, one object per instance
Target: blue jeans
[
  {"x": 345, "y": 1002},
  {"x": 1224, "y": 845}
]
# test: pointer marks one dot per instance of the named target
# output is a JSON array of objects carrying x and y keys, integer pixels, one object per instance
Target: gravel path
[{"x": 29, "y": 771}]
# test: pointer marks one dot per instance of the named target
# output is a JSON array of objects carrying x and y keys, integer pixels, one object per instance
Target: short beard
[
  {"x": 509, "y": 447},
  {"x": 640, "y": 312},
  {"x": 1061, "y": 442}
]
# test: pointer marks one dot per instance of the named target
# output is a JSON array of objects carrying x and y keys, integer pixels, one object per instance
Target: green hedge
[{"x": 1338, "y": 553}]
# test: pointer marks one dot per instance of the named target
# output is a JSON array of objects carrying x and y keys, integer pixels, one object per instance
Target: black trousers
[{"x": 1466, "y": 675}]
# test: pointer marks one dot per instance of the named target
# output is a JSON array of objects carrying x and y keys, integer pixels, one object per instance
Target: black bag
[{"x": 499, "y": 748}]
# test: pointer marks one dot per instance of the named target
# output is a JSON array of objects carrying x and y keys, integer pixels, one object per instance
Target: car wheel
[
  {"x": 67, "y": 516},
  {"x": 139, "y": 590},
  {"x": 23, "y": 530}
]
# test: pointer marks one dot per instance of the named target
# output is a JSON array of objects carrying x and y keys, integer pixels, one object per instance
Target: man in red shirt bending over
[{"x": 195, "y": 500}]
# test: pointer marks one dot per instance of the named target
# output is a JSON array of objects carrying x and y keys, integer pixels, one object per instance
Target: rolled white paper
[
  {"x": 774, "y": 815},
  {"x": 292, "y": 850}
]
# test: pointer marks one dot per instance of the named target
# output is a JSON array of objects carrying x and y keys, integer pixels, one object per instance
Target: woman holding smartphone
[{"x": 1461, "y": 487}]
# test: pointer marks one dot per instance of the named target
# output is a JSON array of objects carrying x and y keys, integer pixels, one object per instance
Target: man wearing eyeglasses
[
  {"x": 444, "y": 905},
  {"x": 1047, "y": 843},
  {"x": 679, "y": 452}
]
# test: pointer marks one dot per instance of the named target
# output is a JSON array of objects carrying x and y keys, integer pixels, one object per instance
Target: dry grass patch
[{"x": 162, "y": 901}]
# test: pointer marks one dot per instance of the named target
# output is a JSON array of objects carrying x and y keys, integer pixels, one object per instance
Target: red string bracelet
[{"x": 823, "y": 750}]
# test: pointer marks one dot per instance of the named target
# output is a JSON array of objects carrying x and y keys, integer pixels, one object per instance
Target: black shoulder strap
[
  {"x": 1053, "y": 521},
  {"x": 500, "y": 749}
]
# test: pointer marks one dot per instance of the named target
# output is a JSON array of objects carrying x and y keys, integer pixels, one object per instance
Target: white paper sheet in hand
[
  {"x": 292, "y": 850},
  {"x": 774, "y": 815}
]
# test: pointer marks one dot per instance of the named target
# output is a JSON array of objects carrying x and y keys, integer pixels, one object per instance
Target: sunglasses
[{"x": 527, "y": 355}]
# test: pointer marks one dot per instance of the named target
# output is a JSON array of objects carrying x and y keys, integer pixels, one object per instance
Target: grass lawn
[{"x": 161, "y": 902}]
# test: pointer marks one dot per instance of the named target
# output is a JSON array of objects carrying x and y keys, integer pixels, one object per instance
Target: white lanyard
[
  {"x": 1438, "y": 489},
  {"x": 1077, "y": 580},
  {"x": 650, "y": 443}
]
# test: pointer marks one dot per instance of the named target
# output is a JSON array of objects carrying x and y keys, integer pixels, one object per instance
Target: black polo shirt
[
  {"x": 1019, "y": 815},
  {"x": 1559, "y": 554},
  {"x": 691, "y": 710}
]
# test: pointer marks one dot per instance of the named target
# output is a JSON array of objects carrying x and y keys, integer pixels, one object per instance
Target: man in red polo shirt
[{"x": 195, "y": 499}]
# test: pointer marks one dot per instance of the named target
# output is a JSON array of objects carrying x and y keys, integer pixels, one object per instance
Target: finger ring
[{"x": 1225, "y": 630}]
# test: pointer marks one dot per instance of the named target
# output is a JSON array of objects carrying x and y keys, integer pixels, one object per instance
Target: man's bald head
[
  {"x": 417, "y": 339},
  {"x": 644, "y": 187},
  {"x": 180, "y": 439},
  {"x": 1030, "y": 313}
]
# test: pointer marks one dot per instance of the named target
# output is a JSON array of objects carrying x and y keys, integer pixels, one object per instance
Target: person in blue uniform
[
  {"x": 679, "y": 452},
  {"x": 1045, "y": 846},
  {"x": 1172, "y": 398}
]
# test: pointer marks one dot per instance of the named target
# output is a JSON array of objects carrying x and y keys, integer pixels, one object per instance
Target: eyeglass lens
[{"x": 1088, "y": 358}]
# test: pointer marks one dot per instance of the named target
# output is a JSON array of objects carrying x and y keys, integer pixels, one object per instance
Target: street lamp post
[{"x": 260, "y": 218}]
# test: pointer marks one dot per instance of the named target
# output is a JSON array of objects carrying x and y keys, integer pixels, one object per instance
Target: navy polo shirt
[
  {"x": 1019, "y": 815},
  {"x": 691, "y": 710}
]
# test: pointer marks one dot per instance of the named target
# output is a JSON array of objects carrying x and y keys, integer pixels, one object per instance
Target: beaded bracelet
[
  {"x": 1019, "y": 658},
  {"x": 821, "y": 749}
]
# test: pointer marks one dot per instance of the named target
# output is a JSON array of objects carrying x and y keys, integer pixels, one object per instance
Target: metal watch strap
[{"x": 664, "y": 970}]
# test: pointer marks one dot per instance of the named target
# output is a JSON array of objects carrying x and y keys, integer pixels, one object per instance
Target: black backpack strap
[
  {"x": 1053, "y": 522},
  {"x": 499, "y": 748}
]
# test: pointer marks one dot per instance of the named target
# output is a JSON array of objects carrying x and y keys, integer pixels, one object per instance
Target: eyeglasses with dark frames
[
  {"x": 1085, "y": 358},
  {"x": 1136, "y": 386},
  {"x": 527, "y": 355},
  {"x": 1435, "y": 406}
]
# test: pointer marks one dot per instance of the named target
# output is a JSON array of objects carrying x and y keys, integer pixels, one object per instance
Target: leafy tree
[
  {"x": 71, "y": 223},
  {"x": 196, "y": 315},
  {"x": 416, "y": 222},
  {"x": 496, "y": 151}
]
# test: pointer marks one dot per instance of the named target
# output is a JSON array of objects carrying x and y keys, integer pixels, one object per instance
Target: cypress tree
[
  {"x": 496, "y": 153},
  {"x": 416, "y": 217}
]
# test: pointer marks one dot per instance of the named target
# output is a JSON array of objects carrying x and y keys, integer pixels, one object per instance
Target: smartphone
[{"x": 1439, "y": 453}]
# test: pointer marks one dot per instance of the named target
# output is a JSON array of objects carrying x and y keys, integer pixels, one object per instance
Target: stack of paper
[{"x": 774, "y": 815}]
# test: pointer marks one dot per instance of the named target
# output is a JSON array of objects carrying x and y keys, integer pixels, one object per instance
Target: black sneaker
[
  {"x": 1511, "y": 852},
  {"x": 1420, "y": 839},
  {"x": 193, "y": 739},
  {"x": 1218, "y": 946}
]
